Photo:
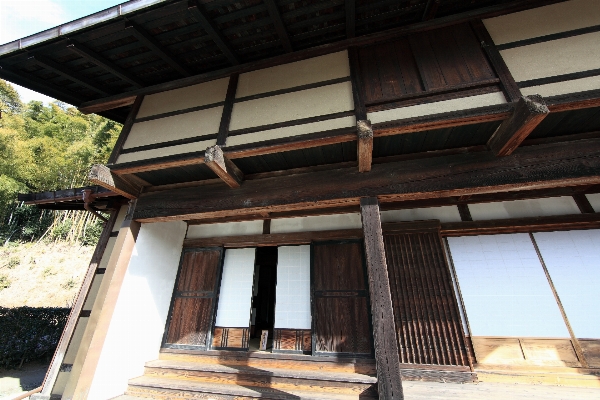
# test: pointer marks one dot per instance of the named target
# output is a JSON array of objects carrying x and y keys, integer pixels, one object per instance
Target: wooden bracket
[
  {"x": 529, "y": 112},
  {"x": 223, "y": 166},
  {"x": 364, "y": 131},
  {"x": 102, "y": 175}
]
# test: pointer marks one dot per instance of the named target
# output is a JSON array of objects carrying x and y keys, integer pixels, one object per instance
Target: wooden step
[
  {"x": 540, "y": 377},
  {"x": 161, "y": 388},
  {"x": 276, "y": 378}
]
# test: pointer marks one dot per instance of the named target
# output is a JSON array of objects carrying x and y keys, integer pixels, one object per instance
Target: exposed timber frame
[
  {"x": 279, "y": 26},
  {"x": 221, "y": 165},
  {"x": 101, "y": 175},
  {"x": 125, "y": 130},
  {"x": 227, "y": 110}
]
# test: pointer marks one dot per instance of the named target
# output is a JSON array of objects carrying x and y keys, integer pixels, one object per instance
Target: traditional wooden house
[{"x": 392, "y": 190}]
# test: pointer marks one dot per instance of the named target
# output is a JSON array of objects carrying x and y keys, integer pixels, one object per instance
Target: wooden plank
[
  {"x": 521, "y": 225},
  {"x": 67, "y": 334},
  {"x": 560, "y": 164},
  {"x": 227, "y": 110},
  {"x": 358, "y": 89},
  {"x": 279, "y": 25},
  {"x": 389, "y": 380},
  {"x": 114, "y": 155},
  {"x": 213, "y": 30},
  {"x": 102, "y": 175},
  {"x": 574, "y": 101},
  {"x": 528, "y": 114},
  {"x": 223, "y": 166},
  {"x": 119, "y": 261},
  {"x": 583, "y": 203},
  {"x": 364, "y": 132},
  {"x": 509, "y": 86}
]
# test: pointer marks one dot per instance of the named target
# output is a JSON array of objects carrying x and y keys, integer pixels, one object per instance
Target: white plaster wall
[
  {"x": 292, "y": 301},
  {"x": 136, "y": 329},
  {"x": 290, "y": 106},
  {"x": 572, "y": 86},
  {"x": 312, "y": 70},
  {"x": 187, "y": 97},
  {"x": 316, "y": 223},
  {"x": 93, "y": 292},
  {"x": 197, "y": 123},
  {"x": 573, "y": 262},
  {"x": 235, "y": 294},
  {"x": 444, "y": 214},
  {"x": 295, "y": 130},
  {"x": 166, "y": 151},
  {"x": 504, "y": 288},
  {"x": 542, "y": 21},
  {"x": 594, "y": 200},
  {"x": 524, "y": 208},
  {"x": 438, "y": 107},
  {"x": 555, "y": 57},
  {"x": 225, "y": 229}
]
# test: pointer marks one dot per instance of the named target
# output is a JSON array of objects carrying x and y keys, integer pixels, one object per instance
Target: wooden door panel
[
  {"x": 341, "y": 319},
  {"x": 192, "y": 311}
]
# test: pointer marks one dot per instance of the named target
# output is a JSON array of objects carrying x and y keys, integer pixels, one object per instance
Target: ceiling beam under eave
[
  {"x": 101, "y": 175},
  {"x": 102, "y": 62},
  {"x": 55, "y": 67},
  {"x": 221, "y": 165},
  {"x": 144, "y": 37},
  {"x": 213, "y": 31},
  {"x": 431, "y": 9},
  {"x": 350, "y": 18},
  {"x": 279, "y": 26}
]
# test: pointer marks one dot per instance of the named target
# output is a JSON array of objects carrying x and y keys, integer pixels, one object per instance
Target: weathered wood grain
[
  {"x": 101, "y": 175},
  {"x": 223, "y": 166},
  {"x": 364, "y": 132}
]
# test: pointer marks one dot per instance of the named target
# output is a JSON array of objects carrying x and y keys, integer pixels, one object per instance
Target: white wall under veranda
[{"x": 136, "y": 329}]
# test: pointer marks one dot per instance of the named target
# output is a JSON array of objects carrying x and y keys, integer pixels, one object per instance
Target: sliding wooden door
[
  {"x": 192, "y": 308},
  {"x": 341, "y": 318}
]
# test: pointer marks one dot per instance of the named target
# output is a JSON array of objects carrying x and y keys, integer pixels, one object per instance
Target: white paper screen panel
[
  {"x": 225, "y": 229},
  {"x": 235, "y": 294},
  {"x": 444, "y": 214},
  {"x": 504, "y": 288},
  {"x": 292, "y": 304},
  {"x": 524, "y": 208},
  {"x": 573, "y": 261}
]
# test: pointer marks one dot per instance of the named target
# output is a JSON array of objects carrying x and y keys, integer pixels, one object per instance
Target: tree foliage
[{"x": 45, "y": 148}]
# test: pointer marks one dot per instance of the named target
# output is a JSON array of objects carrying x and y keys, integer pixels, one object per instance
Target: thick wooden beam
[
  {"x": 105, "y": 64},
  {"x": 389, "y": 380},
  {"x": 279, "y": 26},
  {"x": 583, "y": 203},
  {"x": 114, "y": 155},
  {"x": 529, "y": 112},
  {"x": 574, "y": 101},
  {"x": 364, "y": 132},
  {"x": 223, "y": 166},
  {"x": 528, "y": 168},
  {"x": 227, "y": 110},
  {"x": 430, "y": 9},
  {"x": 102, "y": 175},
  {"x": 144, "y": 37},
  {"x": 213, "y": 31}
]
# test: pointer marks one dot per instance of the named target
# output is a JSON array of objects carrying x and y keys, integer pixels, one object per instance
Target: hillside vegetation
[{"x": 44, "y": 253}]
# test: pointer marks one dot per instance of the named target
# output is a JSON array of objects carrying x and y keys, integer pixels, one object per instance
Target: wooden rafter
[
  {"x": 364, "y": 131},
  {"x": 279, "y": 26},
  {"x": 101, "y": 175},
  {"x": 141, "y": 35},
  {"x": 430, "y": 9},
  {"x": 350, "y": 18},
  {"x": 223, "y": 166},
  {"x": 213, "y": 31},
  {"x": 529, "y": 112},
  {"x": 102, "y": 62},
  {"x": 55, "y": 67}
]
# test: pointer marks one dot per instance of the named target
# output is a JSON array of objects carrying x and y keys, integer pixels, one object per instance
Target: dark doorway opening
[{"x": 263, "y": 300}]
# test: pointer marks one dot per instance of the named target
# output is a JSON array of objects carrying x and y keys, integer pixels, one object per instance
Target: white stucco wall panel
[
  {"x": 594, "y": 200},
  {"x": 524, "y": 208},
  {"x": 295, "y": 130},
  {"x": 291, "y": 106},
  {"x": 555, "y": 57},
  {"x": 225, "y": 229},
  {"x": 438, "y": 107},
  {"x": 542, "y": 21},
  {"x": 444, "y": 214},
  {"x": 136, "y": 329},
  {"x": 316, "y": 223},
  {"x": 182, "y": 126},
  {"x": 187, "y": 97},
  {"x": 572, "y": 86},
  {"x": 304, "y": 72},
  {"x": 166, "y": 151}
]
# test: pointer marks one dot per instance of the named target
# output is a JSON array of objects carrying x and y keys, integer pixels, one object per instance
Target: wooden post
[
  {"x": 365, "y": 145},
  {"x": 119, "y": 260},
  {"x": 389, "y": 380}
]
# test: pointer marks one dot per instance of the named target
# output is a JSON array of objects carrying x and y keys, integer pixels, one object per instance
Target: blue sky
[{"x": 20, "y": 18}]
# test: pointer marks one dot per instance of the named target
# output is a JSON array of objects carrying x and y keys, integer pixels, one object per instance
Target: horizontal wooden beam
[
  {"x": 531, "y": 167},
  {"x": 223, "y": 167},
  {"x": 102, "y": 175},
  {"x": 522, "y": 225},
  {"x": 213, "y": 31},
  {"x": 574, "y": 101},
  {"x": 529, "y": 112},
  {"x": 275, "y": 15},
  {"x": 365, "y": 145}
]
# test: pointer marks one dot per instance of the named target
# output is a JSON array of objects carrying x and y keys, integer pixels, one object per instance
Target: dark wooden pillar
[{"x": 384, "y": 331}]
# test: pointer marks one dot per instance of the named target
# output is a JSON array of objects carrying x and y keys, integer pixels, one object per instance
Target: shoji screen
[
  {"x": 504, "y": 287},
  {"x": 235, "y": 298},
  {"x": 573, "y": 262}
]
